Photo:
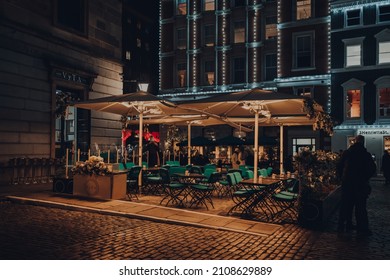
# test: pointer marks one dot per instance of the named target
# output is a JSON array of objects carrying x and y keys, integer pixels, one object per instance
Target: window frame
[
  {"x": 267, "y": 67},
  {"x": 353, "y": 42},
  {"x": 83, "y": 20},
  {"x": 296, "y": 36},
  {"x": 205, "y": 72},
  {"x": 177, "y": 74},
  {"x": 296, "y": 10},
  {"x": 237, "y": 32},
  {"x": 235, "y": 70},
  {"x": 178, "y": 9},
  {"x": 206, "y": 3},
  {"x": 382, "y": 37},
  {"x": 380, "y": 83},
  {"x": 379, "y": 14},
  {"x": 205, "y": 37},
  {"x": 353, "y": 84},
  {"x": 178, "y": 40},
  {"x": 346, "y": 19}
]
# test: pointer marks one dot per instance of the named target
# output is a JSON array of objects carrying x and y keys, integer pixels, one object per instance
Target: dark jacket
[{"x": 356, "y": 167}]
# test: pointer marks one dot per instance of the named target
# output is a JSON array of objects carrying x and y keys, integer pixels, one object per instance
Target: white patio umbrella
[{"x": 269, "y": 108}]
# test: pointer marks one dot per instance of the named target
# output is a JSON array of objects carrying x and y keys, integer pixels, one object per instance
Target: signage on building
[
  {"x": 72, "y": 77},
  {"x": 368, "y": 132}
]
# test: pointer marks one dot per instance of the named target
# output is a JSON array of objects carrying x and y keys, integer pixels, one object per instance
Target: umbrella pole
[
  {"x": 256, "y": 157},
  {"x": 140, "y": 148},
  {"x": 189, "y": 143},
  {"x": 281, "y": 150}
]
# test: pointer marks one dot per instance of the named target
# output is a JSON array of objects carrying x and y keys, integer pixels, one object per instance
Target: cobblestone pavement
[{"x": 36, "y": 232}]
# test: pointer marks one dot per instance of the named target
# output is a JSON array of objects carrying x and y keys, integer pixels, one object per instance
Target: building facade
[
  {"x": 53, "y": 52},
  {"x": 209, "y": 47},
  {"x": 361, "y": 74}
]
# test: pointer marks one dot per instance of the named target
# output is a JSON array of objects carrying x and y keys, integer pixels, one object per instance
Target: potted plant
[{"x": 319, "y": 187}]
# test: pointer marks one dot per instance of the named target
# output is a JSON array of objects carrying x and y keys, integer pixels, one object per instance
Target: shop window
[
  {"x": 181, "y": 7},
  {"x": 71, "y": 15},
  {"x": 353, "y": 103},
  {"x": 303, "y": 9},
  {"x": 384, "y": 13},
  {"x": 239, "y": 32},
  {"x": 303, "y": 52},
  {"x": 181, "y": 75},
  {"x": 271, "y": 31},
  {"x": 353, "y": 17}
]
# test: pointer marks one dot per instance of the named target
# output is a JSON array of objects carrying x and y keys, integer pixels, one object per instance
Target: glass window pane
[
  {"x": 239, "y": 32},
  {"x": 353, "y": 57},
  {"x": 353, "y": 103},
  {"x": 384, "y": 102},
  {"x": 303, "y": 9},
  {"x": 384, "y": 52},
  {"x": 209, "y": 5},
  {"x": 384, "y": 13},
  {"x": 181, "y": 7}
]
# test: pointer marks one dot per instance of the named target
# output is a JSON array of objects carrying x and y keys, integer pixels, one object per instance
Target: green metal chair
[{"x": 132, "y": 188}]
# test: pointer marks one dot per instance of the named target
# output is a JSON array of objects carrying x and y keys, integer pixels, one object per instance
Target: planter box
[
  {"x": 314, "y": 213},
  {"x": 112, "y": 186}
]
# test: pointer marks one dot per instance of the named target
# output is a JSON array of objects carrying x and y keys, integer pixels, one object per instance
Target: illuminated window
[
  {"x": 384, "y": 13},
  {"x": 270, "y": 66},
  {"x": 181, "y": 74},
  {"x": 384, "y": 52},
  {"x": 303, "y": 52},
  {"x": 301, "y": 144},
  {"x": 209, "y": 5},
  {"x": 72, "y": 15},
  {"x": 181, "y": 39},
  {"x": 239, "y": 32},
  {"x": 271, "y": 31},
  {"x": 139, "y": 43},
  {"x": 303, "y": 9},
  {"x": 239, "y": 70},
  {"x": 209, "y": 71},
  {"x": 181, "y": 7},
  {"x": 353, "y": 55},
  {"x": 384, "y": 102},
  {"x": 353, "y": 103},
  {"x": 209, "y": 35},
  {"x": 352, "y": 18}
]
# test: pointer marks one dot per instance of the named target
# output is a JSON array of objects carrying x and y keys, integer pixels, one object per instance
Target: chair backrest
[
  {"x": 263, "y": 172},
  {"x": 210, "y": 166},
  {"x": 238, "y": 177},
  {"x": 177, "y": 169},
  {"x": 164, "y": 174},
  {"x": 269, "y": 171},
  {"x": 250, "y": 174},
  {"x": 129, "y": 165},
  {"x": 231, "y": 179},
  {"x": 232, "y": 170},
  {"x": 292, "y": 185},
  {"x": 214, "y": 177},
  {"x": 207, "y": 172},
  {"x": 134, "y": 171},
  {"x": 195, "y": 169},
  {"x": 172, "y": 163}
]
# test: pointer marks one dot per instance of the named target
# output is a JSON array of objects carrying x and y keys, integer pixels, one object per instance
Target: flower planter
[
  {"x": 315, "y": 212},
  {"x": 109, "y": 186}
]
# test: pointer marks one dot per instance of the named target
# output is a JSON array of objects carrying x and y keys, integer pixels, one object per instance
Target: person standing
[
  {"x": 153, "y": 153},
  {"x": 236, "y": 158},
  {"x": 355, "y": 168},
  {"x": 386, "y": 166}
]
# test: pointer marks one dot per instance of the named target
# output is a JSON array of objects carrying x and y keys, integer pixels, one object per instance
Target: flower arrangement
[
  {"x": 317, "y": 171},
  {"x": 94, "y": 165}
]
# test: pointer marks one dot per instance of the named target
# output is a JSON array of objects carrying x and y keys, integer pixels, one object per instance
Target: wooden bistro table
[{"x": 253, "y": 197}]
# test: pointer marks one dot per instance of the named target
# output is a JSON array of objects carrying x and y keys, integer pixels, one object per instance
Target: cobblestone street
[{"x": 36, "y": 232}]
